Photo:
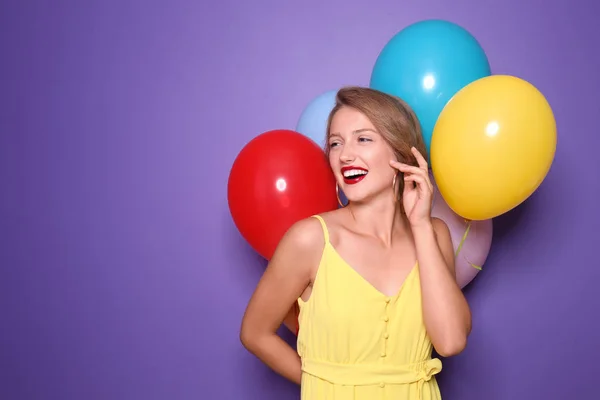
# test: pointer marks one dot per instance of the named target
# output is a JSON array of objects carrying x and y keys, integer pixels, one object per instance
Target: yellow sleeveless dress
[{"x": 357, "y": 343}]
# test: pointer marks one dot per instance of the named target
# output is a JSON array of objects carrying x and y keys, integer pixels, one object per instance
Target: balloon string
[
  {"x": 474, "y": 266},
  {"x": 464, "y": 237},
  {"x": 462, "y": 241}
]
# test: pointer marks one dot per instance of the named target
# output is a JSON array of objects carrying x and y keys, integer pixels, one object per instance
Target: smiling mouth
[{"x": 353, "y": 175}]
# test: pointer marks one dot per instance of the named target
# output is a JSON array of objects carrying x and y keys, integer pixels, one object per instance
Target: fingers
[
  {"x": 419, "y": 175},
  {"x": 408, "y": 185},
  {"x": 409, "y": 169},
  {"x": 421, "y": 181},
  {"x": 420, "y": 159},
  {"x": 406, "y": 168}
]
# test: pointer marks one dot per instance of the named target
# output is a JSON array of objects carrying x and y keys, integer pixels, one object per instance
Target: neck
[{"x": 379, "y": 217}]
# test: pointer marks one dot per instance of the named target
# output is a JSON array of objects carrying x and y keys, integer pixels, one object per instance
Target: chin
[
  {"x": 364, "y": 194},
  {"x": 356, "y": 196}
]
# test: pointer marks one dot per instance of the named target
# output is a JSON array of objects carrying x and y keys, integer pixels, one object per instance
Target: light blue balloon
[
  {"x": 313, "y": 120},
  {"x": 425, "y": 64}
]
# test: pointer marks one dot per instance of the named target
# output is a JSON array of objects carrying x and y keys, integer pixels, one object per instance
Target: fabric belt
[{"x": 373, "y": 374}]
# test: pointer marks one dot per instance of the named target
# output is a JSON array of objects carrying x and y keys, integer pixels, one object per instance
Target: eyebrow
[{"x": 356, "y": 131}]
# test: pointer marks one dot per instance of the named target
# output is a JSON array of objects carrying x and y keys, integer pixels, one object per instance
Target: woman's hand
[
  {"x": 417, "y": 196},
  {"x": 446, "y": 313}
]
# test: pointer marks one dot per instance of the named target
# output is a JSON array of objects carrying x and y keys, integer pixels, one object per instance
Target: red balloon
[{"x": 279, "y": 178}]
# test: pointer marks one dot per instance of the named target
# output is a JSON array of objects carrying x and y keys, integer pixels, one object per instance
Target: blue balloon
[
  {"x": 313, "y": 120},
  {"x": 425, "y": 64}
]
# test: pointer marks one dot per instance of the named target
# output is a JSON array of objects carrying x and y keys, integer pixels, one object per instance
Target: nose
[{"x": 347, "y": 154}]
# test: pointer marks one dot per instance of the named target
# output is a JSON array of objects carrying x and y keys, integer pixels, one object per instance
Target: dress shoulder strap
[{"x": 324, "y": 226}]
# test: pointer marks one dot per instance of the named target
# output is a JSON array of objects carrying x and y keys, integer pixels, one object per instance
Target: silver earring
[{"x": 337, "y": 194}]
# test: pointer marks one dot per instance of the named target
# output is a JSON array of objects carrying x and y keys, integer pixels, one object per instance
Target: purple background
[{"x": 123, "y": 276}]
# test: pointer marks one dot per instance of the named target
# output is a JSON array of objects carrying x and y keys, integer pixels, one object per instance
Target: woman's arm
[
  {"x": 446, "y": 312},
  {"x": 288, "y": 274}
]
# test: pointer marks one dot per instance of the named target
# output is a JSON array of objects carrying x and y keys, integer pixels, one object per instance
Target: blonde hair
[{"x": 393, "y": 118}]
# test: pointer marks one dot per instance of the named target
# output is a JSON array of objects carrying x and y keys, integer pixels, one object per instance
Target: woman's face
[{"x": 359, "y": 156}]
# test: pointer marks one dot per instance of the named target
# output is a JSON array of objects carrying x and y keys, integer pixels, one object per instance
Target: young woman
[{"x": 374, "y": 280}]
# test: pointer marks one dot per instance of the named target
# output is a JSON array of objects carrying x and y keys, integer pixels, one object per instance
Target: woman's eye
[{"x": 364, "y": 139}]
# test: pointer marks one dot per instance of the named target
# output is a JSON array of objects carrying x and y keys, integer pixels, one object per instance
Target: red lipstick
[{"x": 352, "y": 175}]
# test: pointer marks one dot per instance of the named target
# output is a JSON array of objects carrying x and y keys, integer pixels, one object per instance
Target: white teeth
[{"x": 354, "y": 172}]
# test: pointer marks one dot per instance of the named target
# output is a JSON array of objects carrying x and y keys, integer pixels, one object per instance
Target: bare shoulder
[
  {"x": 304, "y": 235},
  {"x": 444, "y": 240},
  {"x": 335, "y": 220},
  {"x": 308, "y": 234},
  {"x": 300, "y": 248}
]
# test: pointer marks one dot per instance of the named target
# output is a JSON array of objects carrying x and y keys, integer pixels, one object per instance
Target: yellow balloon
[{"x": 492, "y": 146}]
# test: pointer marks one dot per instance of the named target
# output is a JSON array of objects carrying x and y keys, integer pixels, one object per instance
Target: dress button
[
  {"x": 386, "y": 319},
  {"x": 382, "y": 385},
  {"x": 382, "y": 355},
  {"x": 387, "y": 299},
  {"x": 386, "y": 335}
]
